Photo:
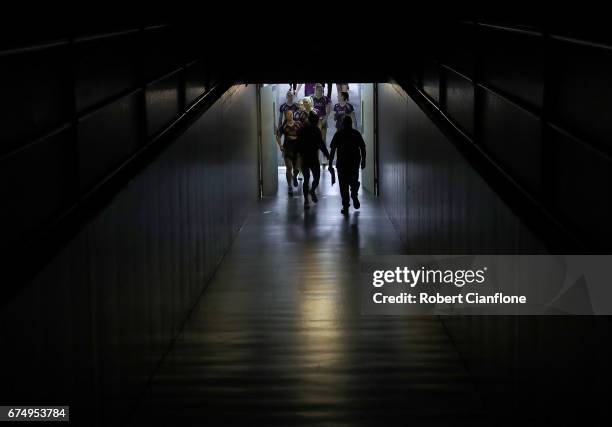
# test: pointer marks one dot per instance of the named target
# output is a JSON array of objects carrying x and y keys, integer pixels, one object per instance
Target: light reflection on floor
[{"x": 278, "y": 337}]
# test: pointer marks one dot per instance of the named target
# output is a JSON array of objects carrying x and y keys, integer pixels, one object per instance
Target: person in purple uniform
[
  {"x": 289, "y": 130},
  {"x": 342, "y": 109},
  {"x": 342, "y": 87},
  {"x": 322, "y": 106},
  {"x": 300, "y": 115},
  {"x": 289, "y": 105},
  {"x": 304, "y": 109},
  {"x": 309, "y": 88}
]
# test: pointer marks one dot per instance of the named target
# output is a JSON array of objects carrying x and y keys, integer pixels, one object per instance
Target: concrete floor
[{"x": 278, "y": 338}]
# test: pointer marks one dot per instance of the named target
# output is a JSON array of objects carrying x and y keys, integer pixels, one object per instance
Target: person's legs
[
  {"x": 306, "y": 173},
  {"x": 297, "y": 167},
  {"x": 329, "y": 90},
  {"x": 343, "y": 182},
  {"x": 316, "y": 176},
  {"x": 289, "y": 172},
  {"x": 322, "y": 158},
  {"x": 355, "y": 184}
]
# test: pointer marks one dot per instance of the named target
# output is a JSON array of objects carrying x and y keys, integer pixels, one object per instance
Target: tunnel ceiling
[{"x": 287, "y": 45}]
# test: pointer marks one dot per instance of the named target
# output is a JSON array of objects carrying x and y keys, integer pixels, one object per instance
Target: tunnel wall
[
  {"x": 79, "y": 101},
  {"x": 536, "y": 100},
  {"x": 94, "y": 324},
  {"x": 439, "y": 204}
]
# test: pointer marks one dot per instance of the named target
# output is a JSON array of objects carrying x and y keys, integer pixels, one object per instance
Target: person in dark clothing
[
  {"x": 308, "y": 144},
  {"x": 351, "y": 154}
]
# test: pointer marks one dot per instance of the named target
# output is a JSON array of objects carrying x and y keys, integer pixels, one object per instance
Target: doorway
[{"x": 362, "y": 97}]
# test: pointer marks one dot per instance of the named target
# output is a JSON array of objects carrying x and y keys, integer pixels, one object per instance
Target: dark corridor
[
  {"x": 279, "y": 338},
  {"x": 147, "y": 283}
]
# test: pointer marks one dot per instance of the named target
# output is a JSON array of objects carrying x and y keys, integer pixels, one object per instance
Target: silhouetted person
[
  {"x": 351, "y": 154},
  {"x": 309, "y": 142}
]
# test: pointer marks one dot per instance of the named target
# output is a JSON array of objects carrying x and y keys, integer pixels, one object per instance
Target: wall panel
[
  {"x": 36, "y": 96},
  {"x": 460, "y": 100},
  {"x": 583, "y": 185},
  {"x": 162, "y": 51},
  {"x": 437, "y": 201},
  {"x": 533, "y": 83},
  {"x": 580, "y": 91},
  {"x": 459, "y": 52},
  {"x": 116, "y": 85},
  {"x": 162, "y": 102},
  {"x": 431, "y": 80},
  {"x": 196, "y": 81},
  {"x": 513, "y": 138},
  {"x": 36, "y": 184},
  {"x": 108, "y": 136},
  {"x": 106, "y": 67},
  {"x": 513, "y": 62},
  {"x": 95, "y": 323},
  {"x": 543, "y": 369}
]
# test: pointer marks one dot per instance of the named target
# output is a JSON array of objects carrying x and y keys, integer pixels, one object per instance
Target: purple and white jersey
[
  {"x": 282, "y": 109},
  {"x": 342, "y": 111},
  {"x": 320, "y": 105},
  {"x": 301, "y": 116}
]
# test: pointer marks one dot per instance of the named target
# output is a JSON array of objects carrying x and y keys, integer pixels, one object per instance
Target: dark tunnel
[{"x": 155, "y": 272}]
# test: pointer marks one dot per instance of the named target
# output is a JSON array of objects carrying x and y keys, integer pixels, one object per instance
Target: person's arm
[
  {"x": 362, "y": 150},
  {"x": 333, "y": 152},
  {"x": 278, "y": 140},
  {"x": 280, "y": 119},
  {"x": 322, "y": 147}
]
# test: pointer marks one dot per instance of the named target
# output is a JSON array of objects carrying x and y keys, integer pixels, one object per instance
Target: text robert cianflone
[
  {"x": 413, "y": 277},
  {"x": 468, "y": 298},
  {"x": 459, "y": 277}
]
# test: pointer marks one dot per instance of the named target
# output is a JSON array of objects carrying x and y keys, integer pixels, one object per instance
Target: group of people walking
[{"x": 302, "y": 128}]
